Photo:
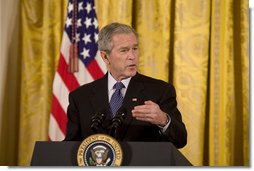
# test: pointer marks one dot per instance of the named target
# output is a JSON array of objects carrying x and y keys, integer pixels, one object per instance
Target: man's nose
[{"x": 132, "y": 54}]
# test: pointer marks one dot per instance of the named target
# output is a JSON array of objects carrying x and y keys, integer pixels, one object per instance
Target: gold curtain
[
  {"x": 41, "y": 31},
  {"x": 229, "y": 84},
  {"x": 201, "y": 46}
]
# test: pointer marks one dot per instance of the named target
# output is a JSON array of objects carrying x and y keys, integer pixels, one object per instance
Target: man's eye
[{"x": 123, "y": 50}]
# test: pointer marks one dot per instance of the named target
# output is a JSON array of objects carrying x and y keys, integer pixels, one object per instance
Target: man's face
[{"x": 123, "y": 59}]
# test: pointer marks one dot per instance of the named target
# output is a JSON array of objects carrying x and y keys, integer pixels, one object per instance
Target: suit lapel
[
  {"x": 100, "y": 95},
  {"x": 134, "y": 96}
]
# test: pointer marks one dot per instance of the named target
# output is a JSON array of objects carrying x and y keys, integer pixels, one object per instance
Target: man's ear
[{"x": 104, "y": 57}]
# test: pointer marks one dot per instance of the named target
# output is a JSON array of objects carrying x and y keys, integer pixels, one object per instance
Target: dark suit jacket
[{"x": 90, "y": 98}]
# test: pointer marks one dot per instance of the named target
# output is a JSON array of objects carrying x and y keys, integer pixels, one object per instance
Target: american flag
[{"x": 79, "y": 61}]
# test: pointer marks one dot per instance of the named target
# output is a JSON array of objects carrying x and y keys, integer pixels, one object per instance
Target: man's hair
[{"x": 107, "y": 32}]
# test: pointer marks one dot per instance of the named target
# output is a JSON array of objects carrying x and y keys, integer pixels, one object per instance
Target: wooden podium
[{"x": 134, "y": 154}]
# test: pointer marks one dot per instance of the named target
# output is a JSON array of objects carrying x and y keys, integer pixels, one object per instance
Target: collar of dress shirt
[{"x": 112, "y": 81}]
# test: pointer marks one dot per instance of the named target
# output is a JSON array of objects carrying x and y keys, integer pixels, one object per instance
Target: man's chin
[{"x": 132, "y": 73}]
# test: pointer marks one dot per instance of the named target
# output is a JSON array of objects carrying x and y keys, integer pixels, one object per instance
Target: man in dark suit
[{"x": 150, "y": 104}]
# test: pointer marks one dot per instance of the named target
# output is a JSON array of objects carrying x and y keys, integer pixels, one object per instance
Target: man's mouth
[{"x": 132, "y": 65}]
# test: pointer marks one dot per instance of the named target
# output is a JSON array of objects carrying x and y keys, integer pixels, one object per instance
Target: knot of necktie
[{"x": 118, "y": 86}]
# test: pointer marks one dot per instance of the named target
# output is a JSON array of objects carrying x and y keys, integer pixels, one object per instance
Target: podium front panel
[{"x": 134, "y": 154}]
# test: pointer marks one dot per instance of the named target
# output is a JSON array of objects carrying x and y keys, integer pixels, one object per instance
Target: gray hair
[{"x": 107, "y": 32}]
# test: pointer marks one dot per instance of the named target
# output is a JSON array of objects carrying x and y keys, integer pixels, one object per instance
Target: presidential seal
[{"x": 99, "y": 150}]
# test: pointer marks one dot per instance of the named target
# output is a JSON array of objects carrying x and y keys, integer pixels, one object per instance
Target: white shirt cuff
[{"x": 164, "y": 128}]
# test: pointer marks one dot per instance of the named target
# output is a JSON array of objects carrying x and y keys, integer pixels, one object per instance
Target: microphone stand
[
  {"x": 117, "y": 121},
  {"x": 97, "y": 121}
]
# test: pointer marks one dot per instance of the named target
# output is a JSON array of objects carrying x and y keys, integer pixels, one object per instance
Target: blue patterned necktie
[{"x": 117, "y": 98}]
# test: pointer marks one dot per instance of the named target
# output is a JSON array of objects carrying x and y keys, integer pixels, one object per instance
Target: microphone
[
  {"x": 97, "y": 120},
  {"x": 117, "y": 121}
]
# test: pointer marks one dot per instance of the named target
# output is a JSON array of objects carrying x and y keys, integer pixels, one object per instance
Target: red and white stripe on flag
[{"x": 81, "y": 29}]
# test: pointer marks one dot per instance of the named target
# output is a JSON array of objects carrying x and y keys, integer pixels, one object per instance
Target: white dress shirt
[{"x": 112, "y": 82}]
